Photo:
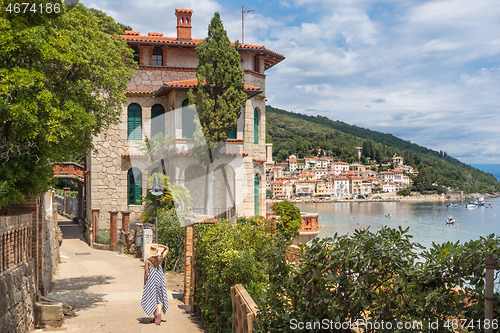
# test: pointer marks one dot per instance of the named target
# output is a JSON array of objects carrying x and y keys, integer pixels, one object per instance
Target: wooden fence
[
  {"x": 15, "y": 240},
  {"x": 244, "y": 310}
]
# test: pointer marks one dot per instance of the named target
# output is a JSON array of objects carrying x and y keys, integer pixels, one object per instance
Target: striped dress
[{"x": 155, "y": 291}]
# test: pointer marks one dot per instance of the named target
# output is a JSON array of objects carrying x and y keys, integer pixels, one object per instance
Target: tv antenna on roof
[{"x": 243, "y": 12}]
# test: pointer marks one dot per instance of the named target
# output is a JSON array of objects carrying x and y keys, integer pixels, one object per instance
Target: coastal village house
[
  {"x": 119, "y": 171},
  {"x": 322, "y": 178}
]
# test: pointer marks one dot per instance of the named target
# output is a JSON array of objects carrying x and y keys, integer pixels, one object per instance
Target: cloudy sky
[{"x": 425, "y": 71}]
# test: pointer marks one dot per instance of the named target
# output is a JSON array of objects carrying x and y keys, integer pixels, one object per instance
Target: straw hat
[{"x": 153, "y": 250}]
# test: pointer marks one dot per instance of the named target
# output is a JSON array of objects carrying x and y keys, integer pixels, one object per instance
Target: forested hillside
[{"x": 302, "y": 135}]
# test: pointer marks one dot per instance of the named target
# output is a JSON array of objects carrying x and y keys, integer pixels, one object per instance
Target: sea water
[{"x": 426, "y": 220}]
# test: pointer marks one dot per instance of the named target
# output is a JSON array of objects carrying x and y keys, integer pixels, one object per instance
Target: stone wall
[
  {"x": 17, "y": 298},
  {"x": 18, "y": 287},
  {"x": 153, "y": 79}
]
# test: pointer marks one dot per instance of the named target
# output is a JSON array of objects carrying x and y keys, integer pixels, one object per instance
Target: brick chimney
[{"x": 183, "y": 23}]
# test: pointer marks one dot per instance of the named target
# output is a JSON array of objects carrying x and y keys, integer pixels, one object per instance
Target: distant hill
[{"x": 302, "y": 135}]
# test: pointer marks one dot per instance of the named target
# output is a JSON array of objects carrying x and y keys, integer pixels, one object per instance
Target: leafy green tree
[
  {"x": 379, "y": 277},
  {"x": 423, "y": 181},
  {"x": 227, "y": 255},
  {"x": 290, "y": 219},
  {"x": 62, "y": 81}
]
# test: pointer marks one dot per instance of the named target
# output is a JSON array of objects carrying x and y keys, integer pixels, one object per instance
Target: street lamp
[{"x": 155, "y": 191}]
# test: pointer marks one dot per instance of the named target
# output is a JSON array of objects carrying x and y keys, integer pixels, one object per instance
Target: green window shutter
[
  {"x": 157, "y": 119},
  {"x": 130, "y": 187},
  {"x": 256, "y": 193},
  {"x": 138, "y": 189},
  {"x": 134, "y": 122},
  {"x": 232, "y": 134},
  {"x": 255, "y": 126},
  {"x": 188, "y": 125},
  {"x": 134, "y": 185}
]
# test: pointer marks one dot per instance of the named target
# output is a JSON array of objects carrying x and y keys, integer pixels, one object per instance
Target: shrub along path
[{"x": 105, "y": 288}]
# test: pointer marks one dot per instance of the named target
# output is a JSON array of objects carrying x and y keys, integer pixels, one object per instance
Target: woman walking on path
[{"x": 154, "y": 297}]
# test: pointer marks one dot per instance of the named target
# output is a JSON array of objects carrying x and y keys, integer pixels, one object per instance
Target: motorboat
[
  {"x": 479, "y": 202},
  {"x": 471, "y": 205},
  {"x": 452, "y": 205},
  {"x": 450, "y": 220}
]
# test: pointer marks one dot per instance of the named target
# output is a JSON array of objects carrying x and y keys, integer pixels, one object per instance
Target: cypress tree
[
  {"x": 220, "y": 95},
  {"x": 221, "y": 92}
]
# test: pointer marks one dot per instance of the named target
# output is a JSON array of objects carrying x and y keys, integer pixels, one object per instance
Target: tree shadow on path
[{"x": 72, "y": 291}]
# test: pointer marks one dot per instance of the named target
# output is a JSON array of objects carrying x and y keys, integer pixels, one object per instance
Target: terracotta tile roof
[
  {"x": 133, "y": 155},
  {"x": 292, "y": 160},
  {"x": 397, "y": 170},
  {"x": 271, "y": 58},
  {"x": 138, "y": 92},
  {"x": 187, "y": 153},
  {"x": 258, "y": 160},
  {"x": 369, "y": 179},
  {"x": 193, "y": 83}
]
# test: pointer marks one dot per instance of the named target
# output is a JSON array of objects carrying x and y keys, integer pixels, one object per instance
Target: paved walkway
[{"x": 105, "y": 288}]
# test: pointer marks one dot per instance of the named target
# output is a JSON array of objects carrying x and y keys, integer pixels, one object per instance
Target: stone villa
[{"x": 118, "y": 171}]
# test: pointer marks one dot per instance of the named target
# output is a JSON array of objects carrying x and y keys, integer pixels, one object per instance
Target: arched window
[
  {"x": 155, "y": 170},
  {"x": 232, "y": 134},
  {"x": 255, "y": 125},
  {"x": 134, "y": 185},
  {"x": 188, "y": 125},
  {"x": 157, "y": 119},
  {"x": 137, "y": 56},
  {"x": 256, "y": 183},
  {"x": 134, "y": 122},
  {"x": 157, "y": 56}
]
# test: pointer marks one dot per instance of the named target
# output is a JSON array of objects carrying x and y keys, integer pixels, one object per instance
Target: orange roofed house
[{"x": 118, "y": 171}]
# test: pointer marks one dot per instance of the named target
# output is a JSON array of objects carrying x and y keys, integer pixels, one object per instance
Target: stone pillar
[
  {"x": 66, "y": 190},
  {"x": 188, "y": 265},
  {"x": 125, "y": 220},
  {"x": 95, "y": 223},
  {"x": 112, "y": 231}
]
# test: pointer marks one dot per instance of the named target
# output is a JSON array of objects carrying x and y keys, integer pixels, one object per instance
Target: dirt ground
[{"x": 175, "y": 281}]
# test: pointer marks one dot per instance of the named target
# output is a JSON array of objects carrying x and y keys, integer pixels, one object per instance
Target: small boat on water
[
  {"x": 450, "y": 220},
  {"x": 478, "y": 203},
  {"x": 471, "y": 205},
  {"x": 452, "y": 205}
]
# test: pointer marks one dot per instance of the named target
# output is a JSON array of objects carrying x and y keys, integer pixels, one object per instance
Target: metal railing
[
  {"x": 218, "y": 213},
  {"x": 15, "y": 240}
]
